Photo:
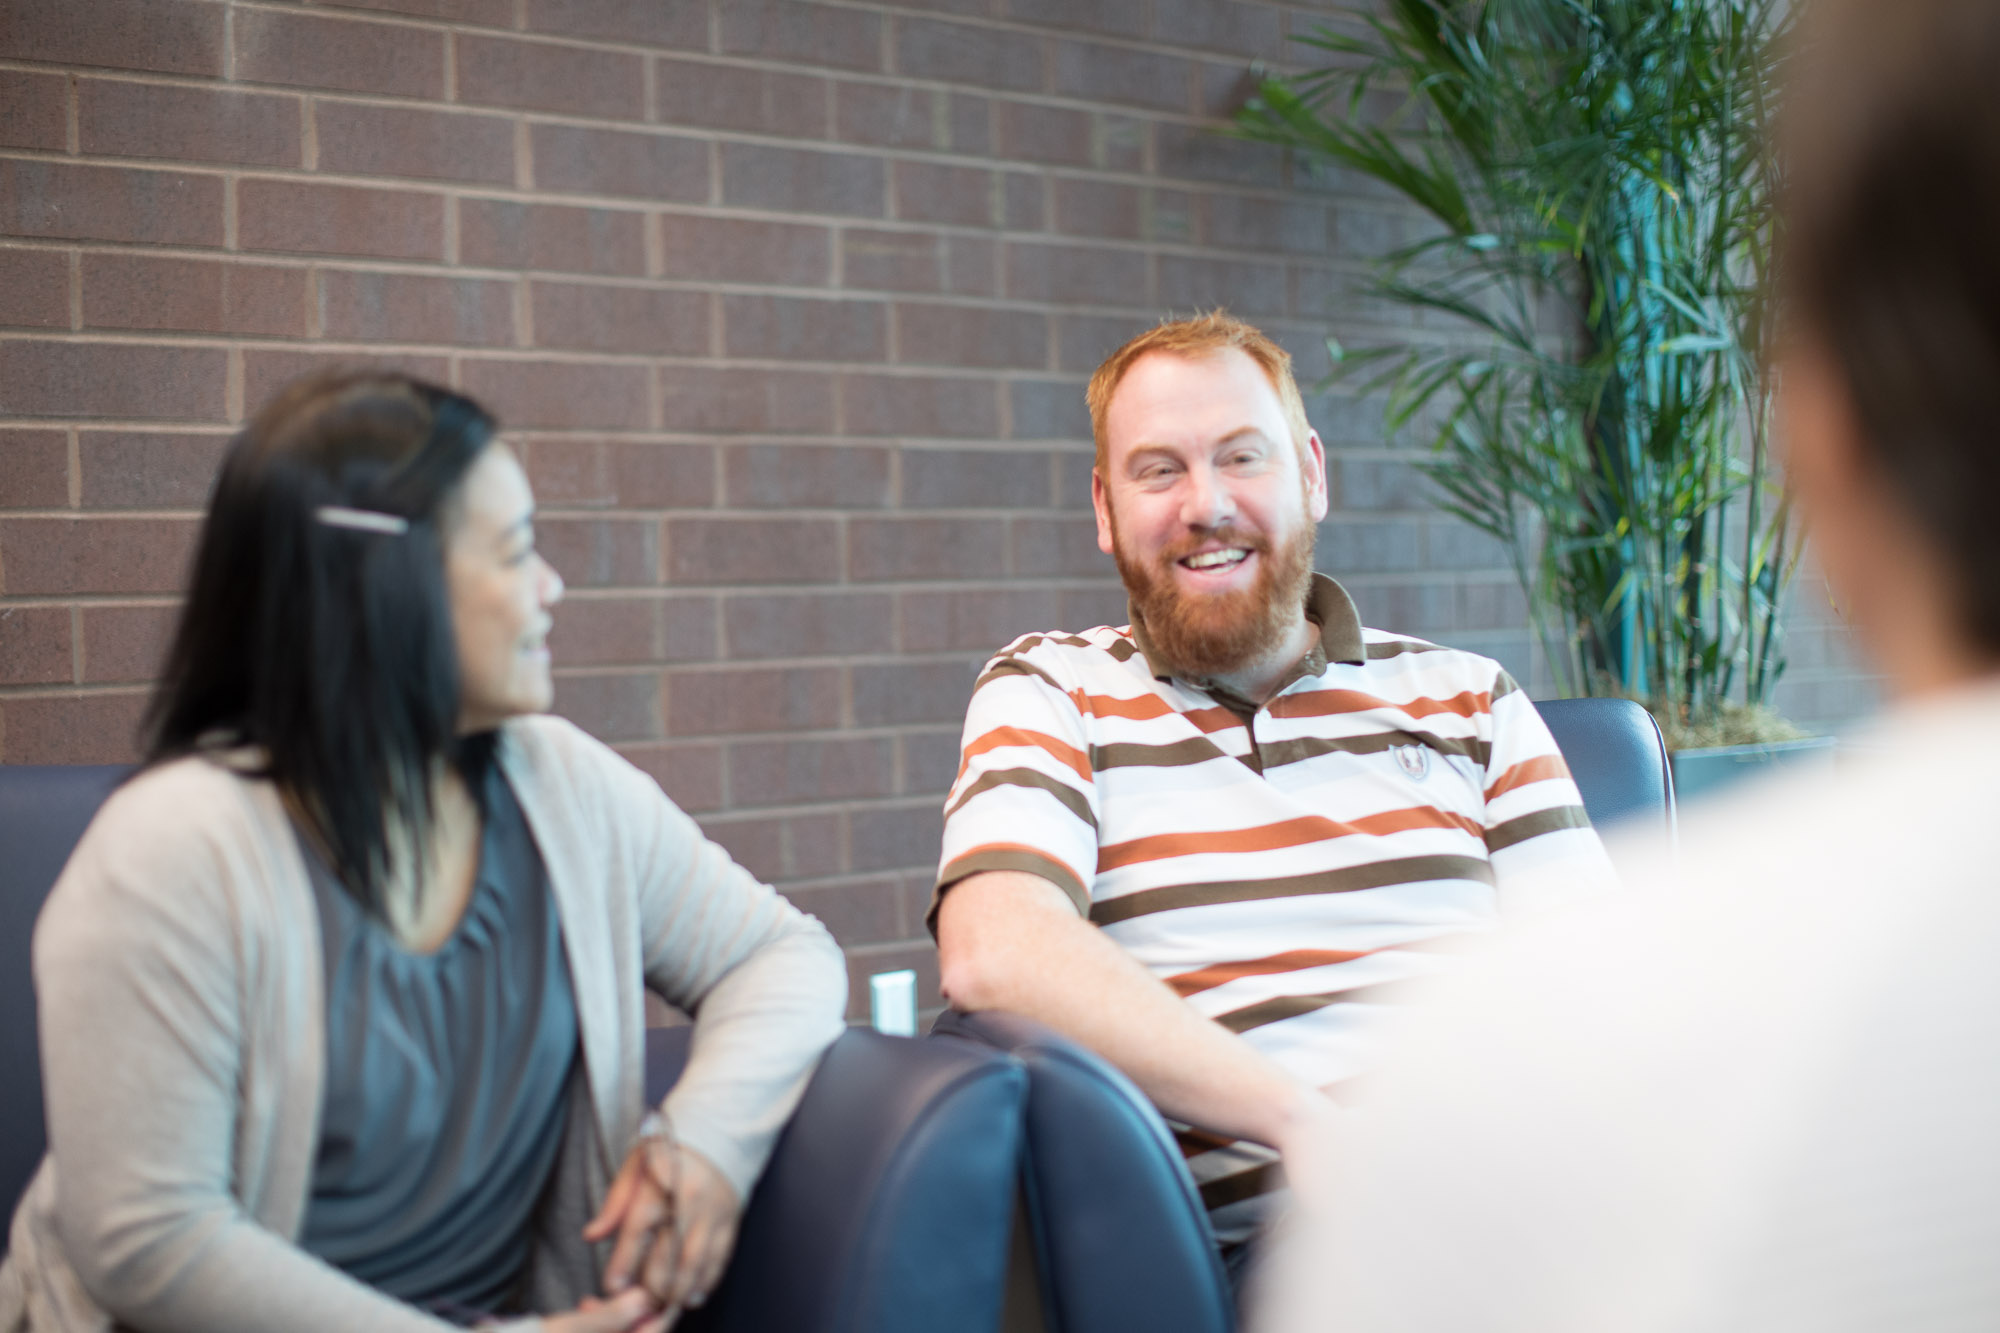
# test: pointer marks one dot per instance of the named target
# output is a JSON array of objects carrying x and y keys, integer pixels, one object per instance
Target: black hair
[
  {"x": 329, "y": 647},
  {"x": 1893, "y": 158}
]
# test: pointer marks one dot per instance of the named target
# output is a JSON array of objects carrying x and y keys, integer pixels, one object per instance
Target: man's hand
[{"x": 675, "y": 1218}]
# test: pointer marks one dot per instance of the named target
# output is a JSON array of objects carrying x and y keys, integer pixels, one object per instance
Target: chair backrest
[
  {"x": 43, "y": 811},
  {"x": 888, "y": 1203},
  {"x": 1615, "y": 753},
  {"x": 1121, "y": 1238}
]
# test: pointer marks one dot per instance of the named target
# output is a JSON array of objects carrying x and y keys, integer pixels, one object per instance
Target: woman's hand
[
  {"x": 675, "y": 1218},
  {"x": 631, "y": 1312}
]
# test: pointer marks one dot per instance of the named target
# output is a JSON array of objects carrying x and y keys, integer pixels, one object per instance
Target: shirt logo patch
[{"x": 1415, "y": 761}]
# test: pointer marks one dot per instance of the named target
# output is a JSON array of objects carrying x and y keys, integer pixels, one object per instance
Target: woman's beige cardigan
[{"x": 178, "y": 966}]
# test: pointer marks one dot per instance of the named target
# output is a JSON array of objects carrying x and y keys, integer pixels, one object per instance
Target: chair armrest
[{"x": 889, "y": 1199}]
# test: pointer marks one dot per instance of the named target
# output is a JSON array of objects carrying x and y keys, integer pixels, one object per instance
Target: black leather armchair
[{"x": 887, "y": 1207}]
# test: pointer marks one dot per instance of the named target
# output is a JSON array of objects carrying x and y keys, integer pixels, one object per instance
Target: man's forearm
[{"x": 1011, "y": 940}]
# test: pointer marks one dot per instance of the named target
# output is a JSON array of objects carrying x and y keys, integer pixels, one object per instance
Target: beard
[{"x": 1203, "y": 635}]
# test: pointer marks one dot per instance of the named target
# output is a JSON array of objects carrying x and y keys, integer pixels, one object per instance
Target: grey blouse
[{"x": 447, "y": 1080}]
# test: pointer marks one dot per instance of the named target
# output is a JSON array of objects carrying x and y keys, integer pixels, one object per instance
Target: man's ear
[
  {"x": 1101, "y": 502},
  {"x": 1314, "y": 462}
]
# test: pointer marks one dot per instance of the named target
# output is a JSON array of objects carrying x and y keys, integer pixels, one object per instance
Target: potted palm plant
[{"x": 1599, "y": 207}]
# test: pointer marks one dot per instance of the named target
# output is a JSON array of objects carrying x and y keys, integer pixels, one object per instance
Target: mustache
[{"x": 1226, "y": 535}]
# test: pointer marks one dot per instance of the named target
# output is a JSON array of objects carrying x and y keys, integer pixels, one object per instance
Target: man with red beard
[{"x": 1209, "y": 844}]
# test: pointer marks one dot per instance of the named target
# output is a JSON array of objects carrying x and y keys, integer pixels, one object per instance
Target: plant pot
[{"x": 1699, "y": 773}]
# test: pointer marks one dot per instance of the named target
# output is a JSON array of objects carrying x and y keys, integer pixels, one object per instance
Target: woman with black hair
[{"x": 341, "y": 996}]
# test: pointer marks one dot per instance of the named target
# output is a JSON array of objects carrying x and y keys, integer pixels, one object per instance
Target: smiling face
[
  {"x": 501, "y": 594},
  {"x": 1209, "y": 508}
]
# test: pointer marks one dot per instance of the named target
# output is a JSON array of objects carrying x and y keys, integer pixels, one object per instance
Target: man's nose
[{"x": 1206, "y": 502}]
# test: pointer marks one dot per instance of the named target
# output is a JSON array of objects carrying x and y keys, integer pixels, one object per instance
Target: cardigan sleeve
[
  {"x": 765, "y": 982},
  {"x": 144, "y": 965}
]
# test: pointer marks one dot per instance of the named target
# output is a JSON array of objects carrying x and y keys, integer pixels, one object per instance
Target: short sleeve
[
  {"x": 1543, "y": 849},
  {"x": 1025, "y": 798}
]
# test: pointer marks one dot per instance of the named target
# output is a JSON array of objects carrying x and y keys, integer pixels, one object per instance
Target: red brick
[
  {"x": 730, "y": 97},
  {"x": 1047, "y": 410},
  {"x": 174, "y": 36},
  {"x": 895, "y": 838},
  {"x": 918, "y": 956},
  {"x": 974, "y": 619},
  {"x": 358, "y": 140},
  {"x": 612, "y": 706},
  {"x": 196, "y": 295},
  {"x": 930, "y": 764},
  {"x": 266, "y": 371},
  {"x": 1119, "y": 74},
  {"x": 541, "y": 76},
  {"x": 1119, "y": 18},
  {"x": 499, "y": 233},
  {"x": 1199, "y": 152},
  {"x": 1074, "y": 468},
  {"x": 971, "y": 336},
  {"x": 785, "y": 847},
  {"x": 412, "y": 308},
  {"x": 603, "y": 318},
  {"x": 926, "y": 548},
  {"x": 700, "y": 399},
  {"x": 1059, "y": 548},
  {"x": 690, "y": 775},
  {"x": 896, "y": 693},
  {"x": 75, "y": 202},
  {"x": 34, "y": 289},
  {"x": 563, "y": 394},
  {"x": 571, "y": 159},
  {"x": 606, "y": 631},
  {"x": 1198, "y": 282},
  {"x": 1209, "y": 26},
  {"x": 1077, "y": 275},
  {"x": 1085, "y": 340},
  {"x": 798, "y": 772},
  {"x": 753, "y": 699},
  {"x": 112, "y": 380},
  {"x": 975, "y": 479},
  {"x": 802, "y": 180},
  {"x": 34, "y": 469},
  {"x": 806, "y": 476},
  {"x": 972, "y": 266},
  {"x": 135, "y": 470},
  {"x": 35, "y": 646},
  {"x": 965, "y": 196},
  {"x": 783, "y": 254},
  {"x": 622, "y": 474},
  {"x": 126, "y": 644},
  {"x": 702, "y": 551},
  {"x": 919, "y": 406},
  {"x": 791, "y": 329},
  {"x": 1125, "y": 212},
  {"x": 861, "y": 913},
  {"x": 352, "y": 55},
  {"x": 601, "y": 552},
  {"x": 894, "y": 115},
  {"x": 1102, "y": 605},
  {"x": 72, "y": 728},
  {"x": 901, "y": 261},
  {"x": 58, "y": 556},
  {"x": 962, "y": 54},
  {"x": 824, "y": 623},
  {"x": 118, "y": 118},
  {"x": 33, "y": 111},
  {"x": 802, "y": 32},
  {"x": 489, "y": 13},
  {"x": 682, "y": 26},
  {"x": 1253, "y": 222},
  {"x": 1052, "y": 134},
  {"x": 309, "y": 218}
]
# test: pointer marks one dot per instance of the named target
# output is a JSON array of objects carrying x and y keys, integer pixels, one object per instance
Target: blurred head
[
  {"x": 1891, "y": 279},
  {"x": 365, "y": 593},
  {"x": 1208, "y": 490}
]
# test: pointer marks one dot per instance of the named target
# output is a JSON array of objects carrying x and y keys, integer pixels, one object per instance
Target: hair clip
[{"x": 362, "y": 520}]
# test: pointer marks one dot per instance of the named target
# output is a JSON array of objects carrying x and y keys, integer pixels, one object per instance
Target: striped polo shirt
[{"x": 1285, "y": 866}]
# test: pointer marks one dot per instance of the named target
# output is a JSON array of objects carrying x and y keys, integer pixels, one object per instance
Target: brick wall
[{"x": 787, "y": 306}]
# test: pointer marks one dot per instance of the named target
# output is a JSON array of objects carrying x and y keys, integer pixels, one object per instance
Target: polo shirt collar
[{"x": 1327, "y": 605}]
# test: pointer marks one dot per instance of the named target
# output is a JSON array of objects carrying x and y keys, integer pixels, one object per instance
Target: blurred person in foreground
[
  {"x": 341, "y": 996},
  {"x": 1211, "y": 844},
  {"x": 1761, "y": 1092}
]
